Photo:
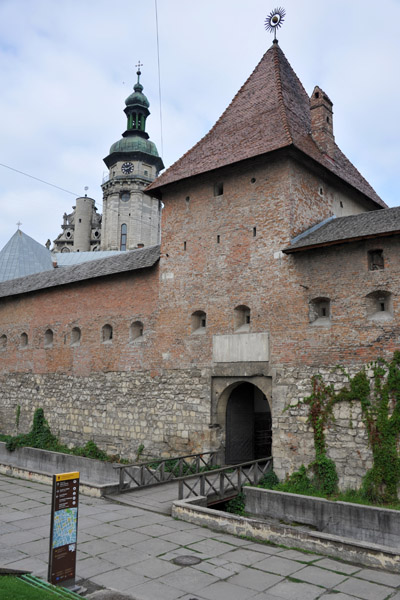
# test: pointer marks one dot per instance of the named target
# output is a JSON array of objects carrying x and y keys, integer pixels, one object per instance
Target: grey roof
[
  {"x": 128, "y": 261},
  {"x": 64, "y": 259},
  {"x": 371, "y": 224},
  {"x": 22, "y": 256}
]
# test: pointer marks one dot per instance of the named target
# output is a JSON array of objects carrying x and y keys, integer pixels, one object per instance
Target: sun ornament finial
[{"x": 275, "y": 20}]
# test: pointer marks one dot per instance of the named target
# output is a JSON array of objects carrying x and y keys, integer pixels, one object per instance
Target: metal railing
[
  {"x": 227, "y": 481},
  {"x": 155, "y": 472}
]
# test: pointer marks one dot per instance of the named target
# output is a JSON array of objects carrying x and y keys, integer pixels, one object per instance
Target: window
[
  {"x": 242, "y": 318},
  {"x": 136, "y": 331},
  {"x": 75, "y": 336},
  {"x": 3, "y": 342},
  {"x": 125, "y": 196},
  {"x": 320, "y": 311},
  {"x": 199, "y": 321},
  {"x": 379, "y": 306},
  {"x": 48, "y": 338},
  {"x": 124, "y": 230},
  {"x": 106, "y": 334},
  {"x": 218, "y": 189},
  {"x": 375, "y": 260},
  {"x": 23, "y": 340}
]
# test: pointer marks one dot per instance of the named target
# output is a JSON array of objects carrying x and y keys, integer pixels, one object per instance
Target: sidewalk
[{"x": 131, "y": 551}]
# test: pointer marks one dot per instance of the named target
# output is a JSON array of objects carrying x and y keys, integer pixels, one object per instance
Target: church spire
[{"x": 137, "y": 109}]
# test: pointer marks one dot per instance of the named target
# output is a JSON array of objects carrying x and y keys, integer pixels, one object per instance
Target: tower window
[
  {"x": 23, "y": 340},
  {"x": 136, "y": 331},
  {"x": 254, "y": 231},
  {"x": 48, "y": 338},
  {"x": 375, "y": 260},
  {"x": 75, "y": 336},
  {"x": 218, "y": 189},
  {"x": 124, "y": 230},
  {"x": 3, "y": 342},
  {"x": 379, "y": 306},
  {"x": 199, "y": 321},
  {"x": 106, "y": 334},
  {"x": 320, "y": 311},
  {"x": 125, "y": 196},
  {"x": 242, "y": 318}
]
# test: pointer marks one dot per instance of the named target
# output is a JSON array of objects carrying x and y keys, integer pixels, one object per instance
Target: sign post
[{"x": 64, "y": 529}]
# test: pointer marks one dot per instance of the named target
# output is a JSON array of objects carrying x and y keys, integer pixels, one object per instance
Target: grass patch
[{"x": 13, "y": 588}]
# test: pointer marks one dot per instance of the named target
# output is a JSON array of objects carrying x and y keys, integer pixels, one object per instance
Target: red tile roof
[{"x": 270, "y": 111}]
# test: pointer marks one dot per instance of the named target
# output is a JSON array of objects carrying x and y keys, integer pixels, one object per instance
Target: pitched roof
[
  {"x": 128, "y": 261},
  {"x": 270, "y": 111},
  {"x": 22, "y": 255},
  {"x": 65, "y": 259},
  {"x": 376, "y": 223}
]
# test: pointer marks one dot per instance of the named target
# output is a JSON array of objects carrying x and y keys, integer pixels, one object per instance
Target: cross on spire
[
  {"x": 19, "y": 224},
  {"x": 139, "y": 72}
]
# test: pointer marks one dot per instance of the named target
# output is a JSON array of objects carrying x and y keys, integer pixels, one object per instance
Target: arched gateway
[{"x": 248, "y": 424}]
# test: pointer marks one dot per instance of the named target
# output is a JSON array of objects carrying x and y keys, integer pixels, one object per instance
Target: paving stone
[
  {"x": 338, "y": 566},
  {"x": 36, "y": 547},
  {"x": 380, "y": 577},
  {"x": 318, "y": 576},
  {"x": 13, "y": 516},
  {"x": 183, "y": 538},
  {"x": 232, "y": 540},
  {"x": 255, "y": 580},
  {"x": 264, "y": 548},
  {"x": 188, "y": 579},
  {"x": 124, "y": 557},
  {"x": 101, "y": 530},
  {"x": 226, "y": 591},
  {"x": 280, "y": 566},
  {"x": 336, "y": 596},
  {"x": 364, "y": 589},
  {"x": 209, "y": 547},
  {"x": 127, "y": 538},
  {"x": 295, "y": 591},
  {"x": 119, "y": 579},
  {"x": 300, "y": 556},
  {"x": 93, "y": 566},
  {"x": 155, "y": 547},
  {"x": 34, "y": 565},
  {"x": 156, "y": 530},
  {"x": 244, "y": 556},
  {"x": 96, "y": 547},
  {"x": 153, "y": 590},
  {"x": 16, "y": 538},
  {"x": 9, "y": 555},
  {"x": 219, "y": 572},
  {"x": 153, "y": 568}
]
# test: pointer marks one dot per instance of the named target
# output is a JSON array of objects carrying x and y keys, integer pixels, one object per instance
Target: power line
[
  {"x": 37, "y": 179},
  {"x": 159, "y": 81}
]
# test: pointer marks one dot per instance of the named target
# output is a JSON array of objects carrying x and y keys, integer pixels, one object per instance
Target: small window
[
  {"x": 23, "y": 340},
  {"x": 75, "y": 336},
  {"x": 125, "y": 196},
  {"x": 320, "y": 311},
  {"x": 184, "y": 245},
  {"x": 218, "y": 189},
  {"x": 136, "y": 331},
  {"x": 3, "y": 342},
  {"x": 124, "y": 230},
  {"x": 375, "y": 260},
  {"x": 48, "y": 338},
  {"x": 254, "y": 231},
  {"x": 379, "y": 306},
  {"x": 218, "y": 239},
  {"x": 242, "y": 318},
  {"x": 199, "y": 321},
  {"x": 106, "y": 334}
]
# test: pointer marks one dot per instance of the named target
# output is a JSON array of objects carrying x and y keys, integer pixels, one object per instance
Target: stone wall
[
  {"x": 293, "y": 444},
  {"x": 168, "y": 412}
]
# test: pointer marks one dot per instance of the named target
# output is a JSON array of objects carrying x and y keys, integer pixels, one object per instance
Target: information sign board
[{"x": 64, "y": 529}]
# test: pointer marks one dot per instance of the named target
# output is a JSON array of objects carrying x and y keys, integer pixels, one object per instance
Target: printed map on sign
[{"x": 65, "y": 527}]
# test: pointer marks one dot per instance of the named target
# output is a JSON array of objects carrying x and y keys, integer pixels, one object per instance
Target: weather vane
[{"x": 275, "y": 20}]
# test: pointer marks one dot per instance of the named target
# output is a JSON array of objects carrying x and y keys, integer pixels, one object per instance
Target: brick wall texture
[{"x": 218, "y": 252}]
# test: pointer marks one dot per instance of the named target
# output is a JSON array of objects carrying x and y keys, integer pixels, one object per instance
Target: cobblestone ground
[{"x": 129, "y": 552}]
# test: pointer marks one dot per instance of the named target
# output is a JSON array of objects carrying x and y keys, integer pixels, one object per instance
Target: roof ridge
[{"x": 282, "y": 106}]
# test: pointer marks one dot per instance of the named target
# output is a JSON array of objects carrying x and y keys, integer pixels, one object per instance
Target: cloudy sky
[{"x": 67, "y": 65}]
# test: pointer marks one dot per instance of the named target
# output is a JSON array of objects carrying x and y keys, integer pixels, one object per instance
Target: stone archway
[{"x": 245, "y": 415}]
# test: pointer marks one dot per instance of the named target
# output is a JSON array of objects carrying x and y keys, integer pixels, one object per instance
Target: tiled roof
[
  {"x": 370, "y": 224},
  {"x": 22, "y": 255},
  {"x": 128, "y": 261},
  {"x": 270, "y": 111}
]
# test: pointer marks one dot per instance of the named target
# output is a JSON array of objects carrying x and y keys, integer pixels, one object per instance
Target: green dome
[
  {"x": 134, "y": 143},
  {"x": 137, "y": 97}
]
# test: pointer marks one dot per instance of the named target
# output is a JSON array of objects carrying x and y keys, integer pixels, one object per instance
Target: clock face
[{"x": 127, "y": 168}]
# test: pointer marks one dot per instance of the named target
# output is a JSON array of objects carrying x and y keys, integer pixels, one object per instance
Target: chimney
[{"x": 322, "y": 121}]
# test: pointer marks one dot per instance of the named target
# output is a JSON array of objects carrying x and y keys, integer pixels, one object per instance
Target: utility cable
[{"x": 41, "y": 180}]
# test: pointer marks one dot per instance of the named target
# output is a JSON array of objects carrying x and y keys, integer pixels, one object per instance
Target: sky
[{"x": 67, "y": 66}]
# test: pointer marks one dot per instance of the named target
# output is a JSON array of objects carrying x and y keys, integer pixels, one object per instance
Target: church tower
[{"x": 130, "y": 217}]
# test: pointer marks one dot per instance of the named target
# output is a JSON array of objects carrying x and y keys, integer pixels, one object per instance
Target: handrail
[
  {"x": 157, "y": 471},
  {"x": 219, "y": 481}
]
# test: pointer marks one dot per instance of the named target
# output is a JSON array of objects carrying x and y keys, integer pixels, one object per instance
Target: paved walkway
[{"x": 130, "y": 550}]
